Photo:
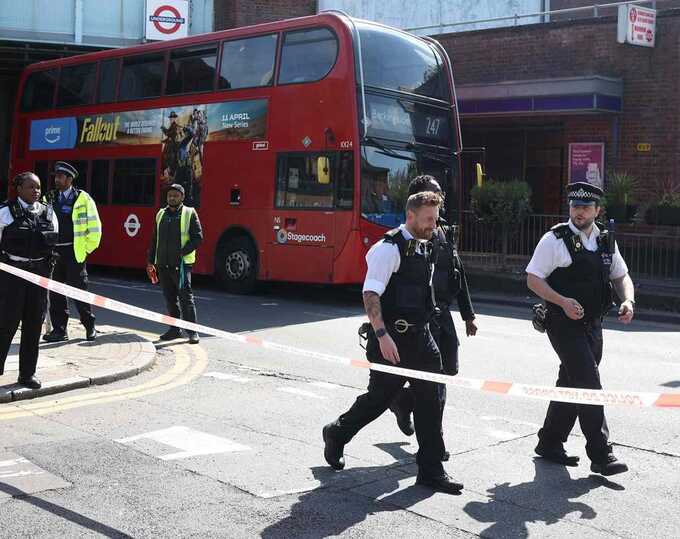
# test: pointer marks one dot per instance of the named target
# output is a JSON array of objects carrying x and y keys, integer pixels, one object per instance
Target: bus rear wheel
[{"x": 237, "y": 265}]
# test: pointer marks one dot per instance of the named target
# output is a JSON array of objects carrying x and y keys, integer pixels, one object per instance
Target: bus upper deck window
[
  {"x": 39, "y": 90},
  {"x": 248, "y": 63},
  {"x": 307, "y": 55},
  {"x": 108, "y": 77},
  {"x": 76, "y": 85},
  {"x": 191, "y": 70},
  {"x": 142, "y": 76}
]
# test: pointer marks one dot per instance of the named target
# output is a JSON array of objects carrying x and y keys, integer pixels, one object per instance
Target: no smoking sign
[{"x": 167, "y": 19}]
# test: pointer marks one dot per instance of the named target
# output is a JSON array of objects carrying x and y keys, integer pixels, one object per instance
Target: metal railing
[
  {"x": 648, "y": 255},
  {"x": 545, "y": 15}
]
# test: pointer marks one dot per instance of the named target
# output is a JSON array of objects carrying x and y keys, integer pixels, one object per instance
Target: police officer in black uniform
[
  {"x": 449, "y": 282},
  {"x": 572, "y": 269},
  {"x": 398, "y": 301},
  {"x": 28, "y": 233}
]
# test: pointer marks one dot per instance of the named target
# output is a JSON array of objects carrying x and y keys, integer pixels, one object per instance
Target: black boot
[
  {"x": 609, "y": 465},
  {"x": 440, "y": 484},
  {"x": 333, "y": 450},
  {"x": 171, "y": 334},
  {"x": 554, "y": 452},
  {"x": 29, "y": 381},
  {"x": 55, "y": 336}
]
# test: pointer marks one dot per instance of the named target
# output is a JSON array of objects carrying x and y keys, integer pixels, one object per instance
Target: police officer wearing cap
[
  {"x": 28, "y": 233},
  {"x": 449, "y": 283},
  {"x": 572, "y": 269},
  {"x": 398, "y": 296},
  {"x": 172, "y": 253},
  {"x": 80, "y": 231}
]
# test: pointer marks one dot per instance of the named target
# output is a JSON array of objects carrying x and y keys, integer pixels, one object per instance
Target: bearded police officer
[
  {"x": 28, "y": 233},
  {"x": 449, "y": 282},
  {"x": 80, "y": 232},
  {"x": 398, "y": 300},
  {"x": 172, "y": 253},
  {"x": 571, "y": 269}
]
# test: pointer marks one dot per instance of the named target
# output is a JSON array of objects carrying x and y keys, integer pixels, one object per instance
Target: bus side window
[
  {"x": 247, "y": 63},
  {"x": 108, "y": 77},
  {"x": 307, "y": 55},
  {"x": 76, "y": 85},
  {"x": 141, "y": 76},
  {"x": 42, "y": 170},
  {"x": 134, "y": 182},
  {"x": 191, "y": 70},
  {"x": 38, "y": 91},
  {"x": 299, "y": 183},
  {"x": 345, "y": 181},
  {"x": 99, "y": 181}
]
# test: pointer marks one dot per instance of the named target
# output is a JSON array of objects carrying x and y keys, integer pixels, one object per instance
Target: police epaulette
[
  {"x": 561, "y": 230},
  {"x": 391, "y": 235}
]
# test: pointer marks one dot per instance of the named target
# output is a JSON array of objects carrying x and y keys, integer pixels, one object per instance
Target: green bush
[
  {"x": 502, "y": 203},
  {"x": 621, "y": 189}
]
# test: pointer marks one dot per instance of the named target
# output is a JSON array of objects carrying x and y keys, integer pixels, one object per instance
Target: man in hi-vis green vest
[
  {"x": 80, "y": 231},
  {"x": 172, "y": 253}
]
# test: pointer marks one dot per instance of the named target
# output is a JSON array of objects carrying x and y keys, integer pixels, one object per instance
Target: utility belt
[
  {"x": 545, "y": 316},
  {"x": 66, "y": 244},
  {"x": 401, "y": 326},
  {"x": 22, "y": 262}
]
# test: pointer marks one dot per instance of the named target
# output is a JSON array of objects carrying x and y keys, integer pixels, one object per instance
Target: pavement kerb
[{"x": 144, "y": 360}]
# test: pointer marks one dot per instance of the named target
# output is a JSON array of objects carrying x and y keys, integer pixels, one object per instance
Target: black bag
[{"x": 540, "y": 314}]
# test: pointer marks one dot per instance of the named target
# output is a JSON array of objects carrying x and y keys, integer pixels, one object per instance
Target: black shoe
[
  {"x": 171, "y": 334},
  {"x": 404, "y": 421},
  {"x": 610, "y": 465},
  {"x": 440, "y": 484},
  {"x": 446, "y": 456},
  {"x": 90, "y": 334},
  {"x": 333, "y": 450},
  {"x": 556, "y": 453},
  {"x": 29, "y": 381},
  {"x": 55, "y": 336},
  {"x": 193, "y": 338}
]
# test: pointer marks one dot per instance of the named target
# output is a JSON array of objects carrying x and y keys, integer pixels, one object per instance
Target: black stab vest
[
  {"x": 408, "y": 295},
  {"x": 30, "y": 235},
  {"x": 446, "y": 278},
  {"x": 587, "y": 278}
]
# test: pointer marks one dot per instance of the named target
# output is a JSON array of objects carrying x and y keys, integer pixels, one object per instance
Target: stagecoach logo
[{"x": 284, "y": 236}]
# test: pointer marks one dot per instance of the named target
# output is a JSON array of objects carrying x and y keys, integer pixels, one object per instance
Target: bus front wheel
[{"x": 237, "y": 265}]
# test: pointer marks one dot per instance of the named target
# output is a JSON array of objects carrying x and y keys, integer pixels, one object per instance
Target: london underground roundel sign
[{"x": 166, "y": 19}]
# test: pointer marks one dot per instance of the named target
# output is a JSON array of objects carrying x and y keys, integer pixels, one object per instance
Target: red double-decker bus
[{"x": 295, "y": 140}]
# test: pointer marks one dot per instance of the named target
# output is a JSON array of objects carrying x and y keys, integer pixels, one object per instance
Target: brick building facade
[{"x": 235, "y": 13}]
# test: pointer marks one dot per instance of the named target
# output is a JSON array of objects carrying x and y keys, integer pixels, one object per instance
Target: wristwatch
[{"x": 381, "y": 332}]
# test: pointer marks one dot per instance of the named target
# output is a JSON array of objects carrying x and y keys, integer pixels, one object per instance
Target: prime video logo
[
  {"x": 284, "y": 236},
  {"x": 52, "y": 134}
]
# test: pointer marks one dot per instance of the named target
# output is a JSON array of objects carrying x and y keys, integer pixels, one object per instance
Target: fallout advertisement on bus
[{"x": 181, "y": 131}]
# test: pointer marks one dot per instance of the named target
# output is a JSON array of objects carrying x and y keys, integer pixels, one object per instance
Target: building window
[
  {"x": 248, "y": 63},
  {"x": 99, "y": 181},
  {"x": 134, "y": 182},
  {"x": 39, "y": 90},
  {"x": 315, "y": 181},
  {"x": 108, "y": 76},
  {"x": 76, "y": 85},
  {"x": 307, "y": 55},
  {"x": 142, "y": 77},
  {"x": 191, "y": 70}
]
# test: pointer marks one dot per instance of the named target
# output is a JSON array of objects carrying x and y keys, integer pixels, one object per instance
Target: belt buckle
[{"x": 401, "y": 325}]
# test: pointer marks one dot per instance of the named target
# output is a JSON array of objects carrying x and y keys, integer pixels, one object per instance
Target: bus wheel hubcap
[{"x": 238, "y": 265}]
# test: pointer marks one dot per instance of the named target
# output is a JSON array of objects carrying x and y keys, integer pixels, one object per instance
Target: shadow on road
[
  {"x": 62, "y": 512},
  {"x": 550, "y": 497},
  {"x": 328, "y": 510}
]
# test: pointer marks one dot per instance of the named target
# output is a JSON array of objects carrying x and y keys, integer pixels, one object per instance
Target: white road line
[
  {"x": 301, "y": 392},
  {"x": 511, "y": 421},
  {"x": 325, "y": 385},
  {"x": 13, "y": 462},
  {"x": 142, "y": 288},
  {"x": 225, "y": 376}
]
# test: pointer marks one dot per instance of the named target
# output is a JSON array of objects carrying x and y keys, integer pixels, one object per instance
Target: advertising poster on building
[{"x": 586, "y": 162}]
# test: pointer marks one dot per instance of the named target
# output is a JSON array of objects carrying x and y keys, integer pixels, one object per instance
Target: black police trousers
[
  {"x": 21, "y": 301},
  {"x": 68, "y": 270},
  {"x": 179, "y": 297},
  {"x": 417, "y": 350},
  {"x": 444, "y": 333},
  {"x": 579, "y": 347}
]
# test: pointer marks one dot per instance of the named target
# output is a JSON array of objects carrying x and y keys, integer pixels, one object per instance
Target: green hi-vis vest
[
  {"x": 87, "y": 228},
  {"x": 185, "y": 222}
]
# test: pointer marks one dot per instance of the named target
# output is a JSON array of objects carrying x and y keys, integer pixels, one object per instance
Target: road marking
[
  {"x": 301, "y": 392},
  {"x": 225, "y": 376},
  {"x": 143, "y": 288},
  {"x": 21, "y": 475},
  {"x": 182, "y": 372},
  {"x": 325, "y": 385},
  {"x": 508, "y": 420},
  {"x": 192, "y": 443},
  {"x": 12, "y": 462}
]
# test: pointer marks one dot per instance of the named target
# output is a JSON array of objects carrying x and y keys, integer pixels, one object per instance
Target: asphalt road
[{"x": 224, "y": 440}]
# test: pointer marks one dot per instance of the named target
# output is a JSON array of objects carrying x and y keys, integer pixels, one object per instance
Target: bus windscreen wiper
[
  {"x": 430, "y": 155},
  {"x": 386, "y": 151}
]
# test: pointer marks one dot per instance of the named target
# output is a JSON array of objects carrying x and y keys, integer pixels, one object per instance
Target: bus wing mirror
[
  {"x": 323, "y": 170},
  {"x": 479, "y": 173}
]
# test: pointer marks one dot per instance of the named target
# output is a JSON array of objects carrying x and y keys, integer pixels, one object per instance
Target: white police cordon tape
[{"x": 563, "y": 394}]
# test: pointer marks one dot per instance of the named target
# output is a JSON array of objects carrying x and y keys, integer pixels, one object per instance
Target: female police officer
[{"x": 28, "y": 233}]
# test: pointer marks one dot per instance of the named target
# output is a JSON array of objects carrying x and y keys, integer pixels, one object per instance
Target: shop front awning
[{"x": 576, "y": 95}]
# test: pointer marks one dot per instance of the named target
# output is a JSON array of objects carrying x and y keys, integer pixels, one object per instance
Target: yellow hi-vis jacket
[
  {"x": 184, "y": 223},
  {"x": 87, "y": 227}
]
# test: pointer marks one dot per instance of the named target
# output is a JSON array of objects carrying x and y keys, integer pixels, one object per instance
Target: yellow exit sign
[{"x": 644, "y": 147}]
